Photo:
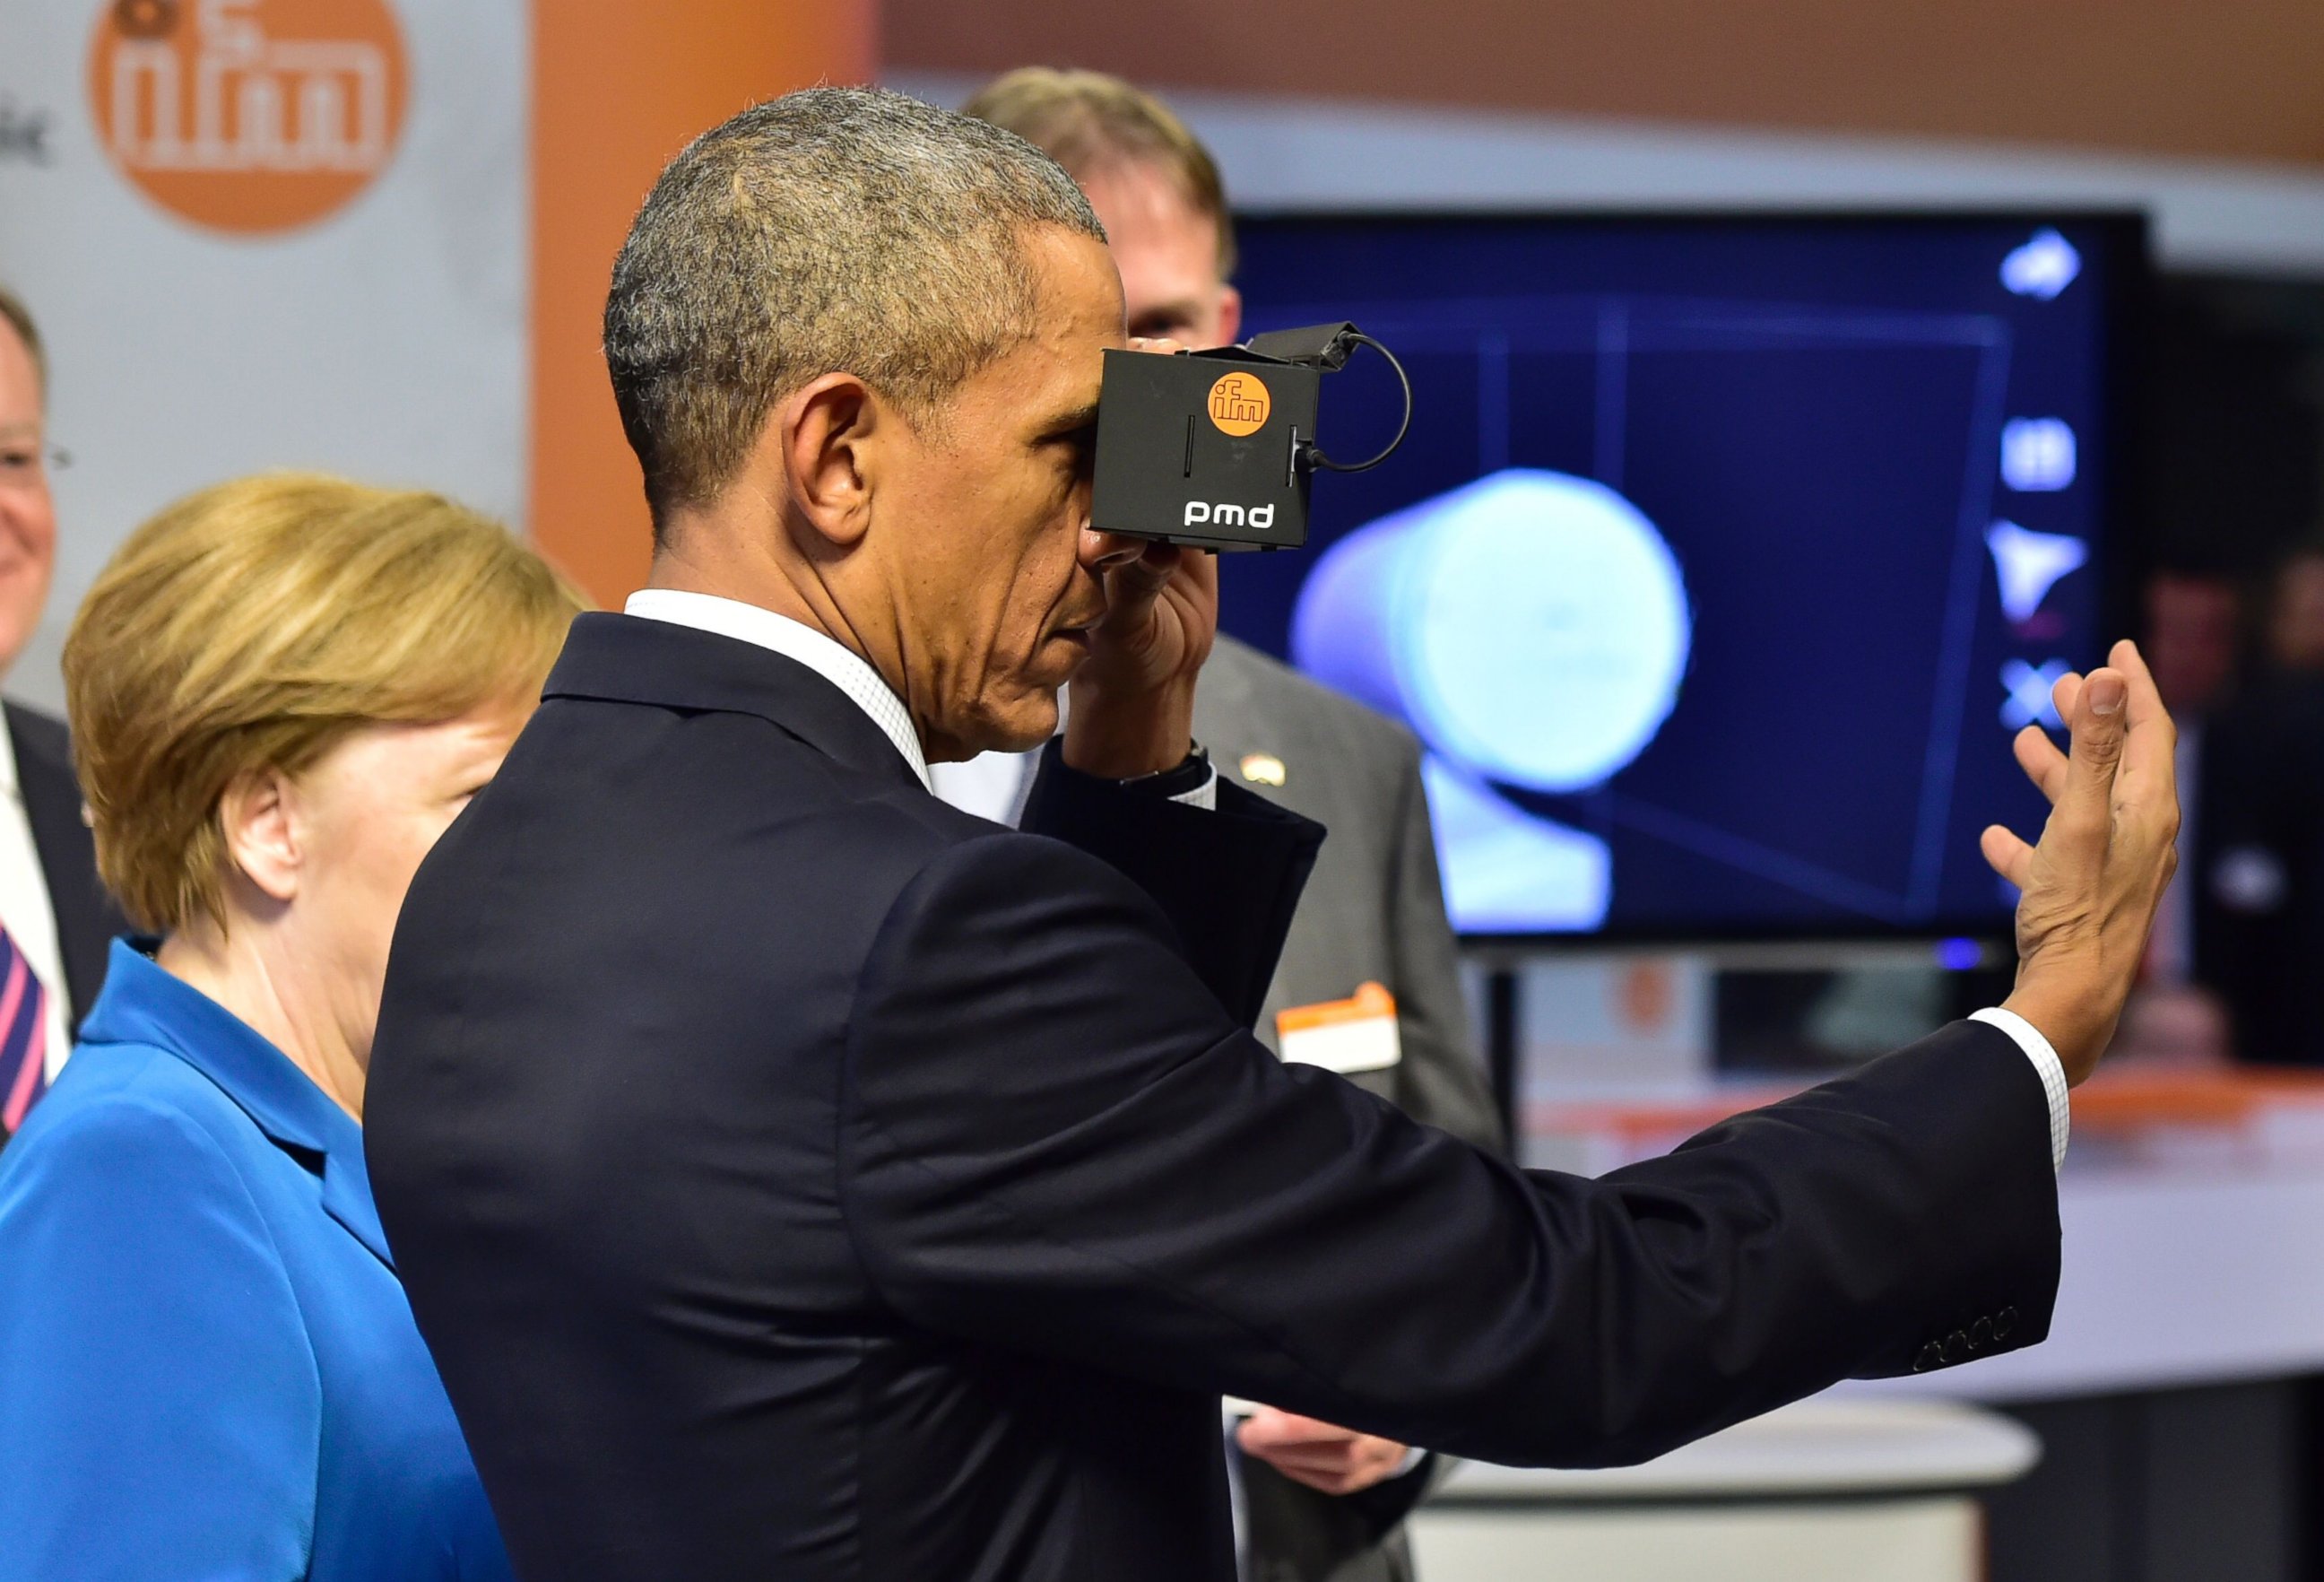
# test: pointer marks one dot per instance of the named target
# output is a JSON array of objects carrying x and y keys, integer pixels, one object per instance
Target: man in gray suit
[{"x": 1315, "y": 1502}]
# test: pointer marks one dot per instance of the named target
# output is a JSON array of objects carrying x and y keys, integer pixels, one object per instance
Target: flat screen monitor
[{"x": 1725, "y": 553}]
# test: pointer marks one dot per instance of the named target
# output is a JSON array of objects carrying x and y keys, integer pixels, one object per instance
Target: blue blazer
[{"x": 211, "y": 1369}]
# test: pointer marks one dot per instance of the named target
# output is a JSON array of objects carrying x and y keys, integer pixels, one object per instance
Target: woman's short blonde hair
[{"x": 251, "y": 626}]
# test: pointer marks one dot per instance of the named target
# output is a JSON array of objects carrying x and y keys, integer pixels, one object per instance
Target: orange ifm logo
[
  {"x": 248, "y": 116},
  {"x": 1240, "y": 405}
]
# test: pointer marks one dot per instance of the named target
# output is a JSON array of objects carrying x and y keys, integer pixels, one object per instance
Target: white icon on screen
[
  {"x": 2037, "y": 455},
  {"x": 2029, "y": 564},
  {"x": 2029, "y": 701},
  {"x": 2042, "y": 267}
]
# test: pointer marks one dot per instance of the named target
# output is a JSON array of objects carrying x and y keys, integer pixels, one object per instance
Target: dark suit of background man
[
  {"x": 2245, "y": 922},
  {"x": 55, "y": 918},
  {"x": 794, "y": 1177},
  {"x": 1316, "y": 1503}
]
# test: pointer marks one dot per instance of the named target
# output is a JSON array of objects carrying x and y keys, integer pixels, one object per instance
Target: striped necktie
[{"x": 23, "y": 1035}]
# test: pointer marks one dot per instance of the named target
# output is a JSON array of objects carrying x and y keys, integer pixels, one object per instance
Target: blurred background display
[{"x": 1726, "y": 554}]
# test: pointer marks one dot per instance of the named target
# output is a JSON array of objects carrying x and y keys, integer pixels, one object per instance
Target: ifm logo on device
[{"x": 1238, "y": 406}]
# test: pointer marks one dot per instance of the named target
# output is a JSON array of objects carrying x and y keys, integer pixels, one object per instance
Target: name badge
[{"x": 1346, "y": 1036}]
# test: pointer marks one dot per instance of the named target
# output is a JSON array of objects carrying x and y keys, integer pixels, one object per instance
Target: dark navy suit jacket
[
  {"x": 87, "y": 920},
  {"x": 794, "y": 1177}
]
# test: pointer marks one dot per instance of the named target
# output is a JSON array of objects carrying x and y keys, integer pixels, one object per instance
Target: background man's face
[
  {"x": 28, "y": 517},
  {"x": 1167, "y": 251},
  {"x": 2295, "y": 620},
  {"x": 980, "y": 521}
]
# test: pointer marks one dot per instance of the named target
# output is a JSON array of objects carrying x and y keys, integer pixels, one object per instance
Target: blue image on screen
[{"x": 1724, "y": 558}]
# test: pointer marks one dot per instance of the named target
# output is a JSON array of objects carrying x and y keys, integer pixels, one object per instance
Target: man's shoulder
[
  {"x": 1297, "y": 738},
  {"x": 715, "y": 826},
  {"x": 700, "y": 771},
  {"x": 1262, "y": 692},
  {"x": 41, "y": 739}
]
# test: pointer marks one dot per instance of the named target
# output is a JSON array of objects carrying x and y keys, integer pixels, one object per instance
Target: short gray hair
[{"x": 838, "y": 229}]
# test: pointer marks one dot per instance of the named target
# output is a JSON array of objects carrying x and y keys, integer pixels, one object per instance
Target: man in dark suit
[
  {"x": 796, "y": 1176},
  {"x": 2246, "y": 922},
  {"x": 55, "y": 917}
]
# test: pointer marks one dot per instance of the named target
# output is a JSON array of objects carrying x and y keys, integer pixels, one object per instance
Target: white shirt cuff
[
  {"x": 2046, "y": 1065},
  {"x": 1206, "y": 796}
]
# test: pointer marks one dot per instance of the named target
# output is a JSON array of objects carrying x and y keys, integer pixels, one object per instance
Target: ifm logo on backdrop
[{"x": 248, "y": 116}]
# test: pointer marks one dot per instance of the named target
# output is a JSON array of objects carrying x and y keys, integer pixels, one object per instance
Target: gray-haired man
[{"x": 794, "y": 1176}]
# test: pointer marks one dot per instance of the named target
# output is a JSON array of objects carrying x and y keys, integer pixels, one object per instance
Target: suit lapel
[
  {"x": 346, "y": 1198},
  {"x": 86, "y": 919}
]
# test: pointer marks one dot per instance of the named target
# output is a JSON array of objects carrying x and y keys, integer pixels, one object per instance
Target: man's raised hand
[
  {"x": 2090, "y": 886},
  {"x": 1133, "y": 699}
]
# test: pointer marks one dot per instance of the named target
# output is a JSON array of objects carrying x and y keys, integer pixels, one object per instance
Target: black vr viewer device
[{"x": 1218, "y": 449}]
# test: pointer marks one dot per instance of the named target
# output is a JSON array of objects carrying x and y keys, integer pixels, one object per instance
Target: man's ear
[
  {"x": 259, "y": 818},
  {"x": 1230, "y": 315},
  {"x": 828, "y": 432}
]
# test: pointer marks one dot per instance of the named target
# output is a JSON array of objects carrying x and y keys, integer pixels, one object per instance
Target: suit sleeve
[
  {"x": 1055, "y": 1139},
  {"x": 1227, "y": 878},
  {"x": 160, "y": 1411},
  {"x": 1440, "y": 1079}
]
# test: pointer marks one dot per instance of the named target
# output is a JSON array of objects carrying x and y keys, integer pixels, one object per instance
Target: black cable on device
[{"x": 1315, "y": 456}]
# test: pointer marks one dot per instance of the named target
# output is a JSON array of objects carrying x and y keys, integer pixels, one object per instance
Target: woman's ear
[
  {"x": 259, "y": 818},
  {"x": 829, "y": 432}
]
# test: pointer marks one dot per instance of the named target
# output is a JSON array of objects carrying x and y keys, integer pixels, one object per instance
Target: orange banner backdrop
[{"x": 618, "y": 90}]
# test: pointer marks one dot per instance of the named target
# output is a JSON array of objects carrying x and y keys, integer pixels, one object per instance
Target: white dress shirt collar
[{"x": 833, "y": 660}]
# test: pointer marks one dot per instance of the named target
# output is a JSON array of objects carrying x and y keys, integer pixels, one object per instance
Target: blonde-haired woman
[{"x": 283, "y": 690}]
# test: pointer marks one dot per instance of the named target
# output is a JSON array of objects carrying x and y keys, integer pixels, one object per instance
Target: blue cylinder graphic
[{"x": 1531, "y": 627}]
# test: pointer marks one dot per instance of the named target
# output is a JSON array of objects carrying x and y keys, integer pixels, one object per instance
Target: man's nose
[{"x": 1103, "y": 552}]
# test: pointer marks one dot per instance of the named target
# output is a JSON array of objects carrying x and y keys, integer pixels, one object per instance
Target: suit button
[
  {"x": 1956, "y": 1347},
  {"x": 1980, "y": 1335},
  {"x": 1932, "y": 1356},
  {"x": 2004, "y": 1322}
]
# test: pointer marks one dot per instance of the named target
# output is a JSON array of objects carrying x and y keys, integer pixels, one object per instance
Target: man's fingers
[
  {"x": 1133, "y": 585},
  {"x": 2039, "y": 757},
  {"x": 1275, "y": 1429},
  {"x": 1327, "y": 1482},
  {"x": 1307, "y": 1450},
  {"x": 2007, "y": 854},
  {"x": 2064, "y": 693},
  {"x": 1366, "y": 1465},
  {"x": 2151, "y": 745},
  {"x": 1326, "y": 1461},
  {"x": 2093, "y": 756}
]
